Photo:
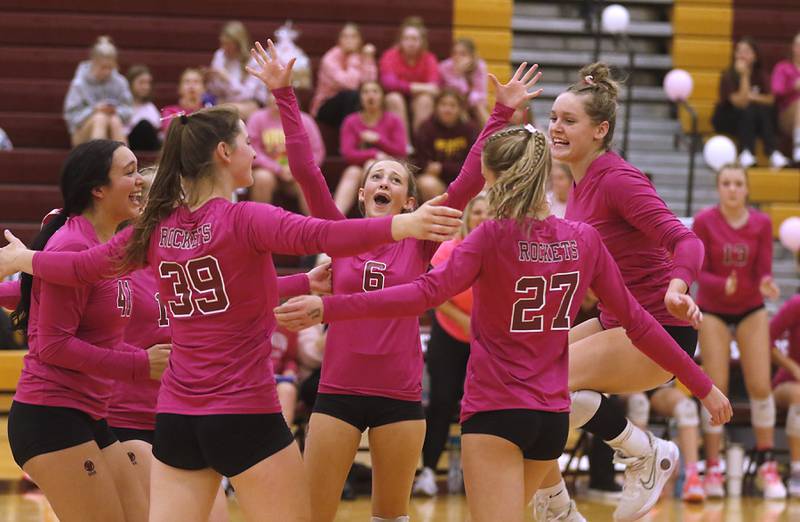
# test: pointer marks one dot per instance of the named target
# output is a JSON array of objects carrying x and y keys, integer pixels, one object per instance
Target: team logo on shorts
[{"x": 88, "y": 465}]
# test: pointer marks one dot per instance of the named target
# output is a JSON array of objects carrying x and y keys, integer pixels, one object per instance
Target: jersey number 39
[
  {"x": 524, "y": 317},
  {"x": 197, "y": 285}
]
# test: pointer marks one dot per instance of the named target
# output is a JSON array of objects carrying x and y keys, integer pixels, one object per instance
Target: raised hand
[
  {"x": 718, "y": 406},
  {"x": 515, "y": 93},
  {"x": 271, "y": 71},
  {"x": 300, "y": 312},
  {"x": 430, "y": 222},
  {"x": 319, "y": 279}
]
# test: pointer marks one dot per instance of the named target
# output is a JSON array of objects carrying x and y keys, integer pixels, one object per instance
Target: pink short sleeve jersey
[
  {"x": 133, "y": 404},
  {"x": 96, "y": 315},
  {"x": 746, "y": 250}
]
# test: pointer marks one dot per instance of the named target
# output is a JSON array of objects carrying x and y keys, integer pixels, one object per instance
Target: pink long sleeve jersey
[
  {"x": 786, "y": 323},
  {"x": 746, "y": 251},
  {"x": 218, "y": 281},
  {"x": 646, "y": 240},
  {"x": 528, "y": 288}
]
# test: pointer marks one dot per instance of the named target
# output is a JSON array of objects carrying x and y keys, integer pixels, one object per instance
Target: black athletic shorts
[
  {"x": 541, "y": 435},
  {"x": 126, "y": 434},
  {"x": 685, "y": 336},
  {"x": 734, "y": 319},
  {"x": 227, "y": 443},
  {"x": 34, "y": 430},
  {"x": 366, "y": 411}
]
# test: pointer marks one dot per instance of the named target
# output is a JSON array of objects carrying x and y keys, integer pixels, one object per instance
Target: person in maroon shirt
[
  {"x": 745, "y": 108},
  {"x": 786, "y": 383},
  {"x": 441, "y": 144},
  {"x": 658, "y": 258},
  {"x": 735, "y": 278}
]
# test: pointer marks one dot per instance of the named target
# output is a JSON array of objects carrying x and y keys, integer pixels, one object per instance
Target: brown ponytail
[{"x": 600, "y": 91}]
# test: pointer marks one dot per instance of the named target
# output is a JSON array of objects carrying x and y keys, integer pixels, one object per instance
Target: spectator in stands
[
  {"x": 786, "y": 88},
  {"x": 368, "y": 135},
  {"x": 441, "y": 144},
  {"x": 271, "y": 167},
  {"x": 734, "y": 280},
  {"x": 786, "y": 383},
  {"x": 745, "y": 108},
  {"x": 560, "y": 185},
  {"x": 410, "y": 74},
  {"x": 143, "y": 127},
  {"x": 190, "y": 97},
  {"x": 227, "y": 78},
  {"x": 99, "y": 101},
  {"x": 465, "y": 72},
  {"x": 5, "y": 141},
  {"x": 284, "y": 363},
  {"x": 343, "y": 69},
  {"x": 448, "y": 352}
]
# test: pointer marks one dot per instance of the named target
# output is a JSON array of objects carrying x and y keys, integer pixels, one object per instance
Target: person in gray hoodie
[{"x": 99, "y": 100}]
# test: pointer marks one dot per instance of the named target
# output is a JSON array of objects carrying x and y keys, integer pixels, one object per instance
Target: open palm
[
  {"x": 515, "y": 93},
  {"x": 270, "y": 69}
]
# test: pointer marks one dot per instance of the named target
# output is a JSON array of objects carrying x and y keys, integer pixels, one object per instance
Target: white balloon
[
  {"x": 678, "y": 85},
  {"x": 789, "y": 233},
  {"x": 719, "y": 151},
  {"x": 615, "y": 19}
]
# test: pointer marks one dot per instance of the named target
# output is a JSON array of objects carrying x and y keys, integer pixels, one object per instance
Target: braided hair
[{"x": 520, "y": 157}]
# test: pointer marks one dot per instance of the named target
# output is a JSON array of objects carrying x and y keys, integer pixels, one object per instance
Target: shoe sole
[{"x": 665, "y": 467}]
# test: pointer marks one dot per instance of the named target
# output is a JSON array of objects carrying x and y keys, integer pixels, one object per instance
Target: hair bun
[{"x": 600, "y": 74}]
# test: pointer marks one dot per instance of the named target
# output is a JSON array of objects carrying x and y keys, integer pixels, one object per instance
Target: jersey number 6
[
  {"x": 197, "y": 285},
  {"x": 522, "y": 316}
]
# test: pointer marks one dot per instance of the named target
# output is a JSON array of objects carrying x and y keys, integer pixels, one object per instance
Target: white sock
[
  {"x": 558, "y": 495},
  {"x": 633, "y": 441}
]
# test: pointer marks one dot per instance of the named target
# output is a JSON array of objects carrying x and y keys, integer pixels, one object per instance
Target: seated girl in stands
[
  {"x": 441, "y": 144},
  {"x": 343, "y": 69},
  {"x": 227, "y": 78},
  {"x": 190, "y": 92},
  {"x": 270, "y": 167},
  {"x": 786, "y": 383},
  {"x": 745, "y": 107},
  {"x": 99, "y": 101},
  {"x": 734, "y": 280},
  {"x": 786, "y": 88},
  {"x": 465, "y": 72},
  {"x": 410, "y": 75},
  {"x": 366, "y": 136},
  {"x": 143, "y": 127}
]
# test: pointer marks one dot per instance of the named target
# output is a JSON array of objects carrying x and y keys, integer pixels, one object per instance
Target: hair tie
[
  {"x": 180, "y": 114},
  {"x": 530, "y": 128},
  {"x": 588, "y": 79},
  {"x": 50, "y": 215},
  {"x": 184, "y": 118}
]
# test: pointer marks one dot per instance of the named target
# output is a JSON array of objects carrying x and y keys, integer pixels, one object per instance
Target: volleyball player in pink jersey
[
  {"x": 218, "y": 411},
  {"x": 659, "y": 259},
  {"x": 529, "y": 273},
  {"x": 56, "y": 427},
  {"x": 372, "y": 369},
  {"x": 735, "y": 278}
]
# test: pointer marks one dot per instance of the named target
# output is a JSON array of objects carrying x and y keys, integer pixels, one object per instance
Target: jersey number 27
[{"x": 524, "y": 317}]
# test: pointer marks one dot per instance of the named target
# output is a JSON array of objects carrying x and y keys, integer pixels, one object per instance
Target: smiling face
[
  {"x": 121, "y": 197},
  {"x": 238, "y": 158},
  {"x": 732, "y": 187},
  {"x": 573, "y": 135},
  {"x": 385, "y": 191}
]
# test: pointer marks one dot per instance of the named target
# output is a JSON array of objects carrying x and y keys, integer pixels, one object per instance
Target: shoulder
[
  {"x": 353, "y": 120},
  {"x": 430, "y": 58},
  {"x": 761, "y": 218},
  {"x": 331, "y": 54},
  {"x": 391, "y": 118},
  {"x": 705, "y": 215},
  {"x": 390, "y": 54},
  {"x": 69, "y": 238}
]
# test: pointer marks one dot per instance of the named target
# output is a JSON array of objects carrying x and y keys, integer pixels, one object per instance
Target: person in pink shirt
[
  {"x": 658, "y": 257},
  {"x": 735, "y": 278},
  {"x": 447, "y": 355},
  {"x": 271, "y": 168},
  {"x": 410, "y": 75},
  {"x": 343, "y": 69},
  {"x": 190, "y": 92},
  {"x": 529, "y": 272},
  {"x": 372, "y": 369},
  {"x": 57, "y": 423},
  {"x": 218, "y": 411},
  {"x": 465, "y": 72},
  {"x": 786, "y": 89},
  {"x": 366, "y": 136},
  {"x": 786, "y": 383}
]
